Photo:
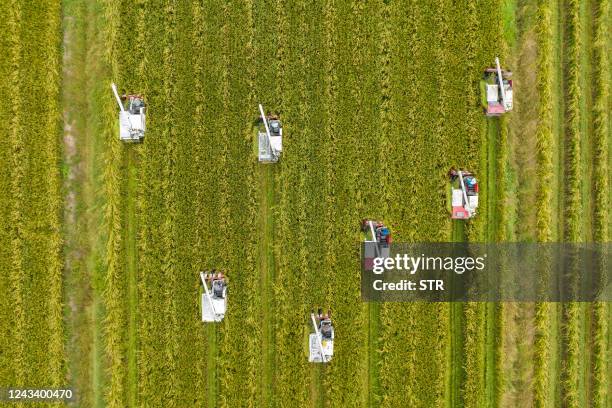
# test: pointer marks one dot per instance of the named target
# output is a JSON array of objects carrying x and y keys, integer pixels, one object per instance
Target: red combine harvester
[{"x": 496, "y": 90}]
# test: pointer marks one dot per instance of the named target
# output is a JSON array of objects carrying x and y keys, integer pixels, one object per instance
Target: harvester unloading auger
[
  {"x": 321, "y": 342},
  {"x": 214, "y": 300},
  {"x": 464, "y": 194},
  {"x": 270, "y": 141},
  {"x": 496, "y": 90},
  {"x": 131, "y": 117}
]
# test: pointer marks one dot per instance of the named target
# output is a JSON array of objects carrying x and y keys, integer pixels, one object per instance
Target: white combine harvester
[
  {"x": 214, "y": 301},
  {"x": 270, "y": 142},
  {"x": 376, "y": 232},
  {"x": 496, "y": 89},
  {"x": 131, "y": 121},
  {"x": 321, "y": 342},
  {"x": 464, "y": 194}
]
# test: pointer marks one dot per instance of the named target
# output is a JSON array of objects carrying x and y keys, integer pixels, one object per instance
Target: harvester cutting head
[
  {"x": 214, "y": 300},
  {"x": 321, "y": 342},
  {"x": 464, "y": 194},
  {"x": 270, "y": 138},
  {"x": 131, "y": 116},
  {"x": 496, "y": 90}
]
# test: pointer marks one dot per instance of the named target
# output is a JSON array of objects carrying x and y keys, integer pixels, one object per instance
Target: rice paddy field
[{"x": 101, "y": 241}]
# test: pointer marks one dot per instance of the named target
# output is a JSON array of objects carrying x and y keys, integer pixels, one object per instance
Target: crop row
[
  {"x": 544, "y": 132},
  {"x": 151, "y": 182},
  {"x": 32, "y": 326},
  {"x": 497, "y": 220},
  {"x": 51, "y": 151},
  {"x": 137, "y": 247},
  {"x": 195, "y": 195},
  {"x": 410, "y": 132},
  {"x": 572, "y": 125},
  {"x": 265, "y": 89},
  {"x": 485, "y": 153},
  {"x": 601, "y": 117},
  {"x": 544, "y": 136},
  {"x": 572, "y": 316},
  {"x": 352, "y": 134},
  {"x": 6, "y": 68},
  {"x": 12, "y": 321},
  {"x": 306, "y": 110},
  {"x": 212, "y": 189},
  {"x": 11, "y": 176},
  {"x": 302, "y": 279},
  {"x": 601, "y": 351},
  {"x": 201, "y": 195},
  {"x": 114, "y": 283},
  {"x": 158, "y": 258},
  {"x": 376, "y": 170},
  {"x": 468, "y": 369},
  {"x": 601, "y": 109},
  {"x": 240, "y": 377},
  {"x": 468, "y": 380}
]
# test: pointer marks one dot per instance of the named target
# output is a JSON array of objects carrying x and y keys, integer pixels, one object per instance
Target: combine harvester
[
  {"x": 321, "y": 342},
  {"x": 496, "y": 90},
  {"x": 270, "y": 141},
  {"x": 376, "y": 232},
  {"x": 214, "y": 301},
  {"x": 464, "y": 194},
  {"x": 131, "y": 121}
]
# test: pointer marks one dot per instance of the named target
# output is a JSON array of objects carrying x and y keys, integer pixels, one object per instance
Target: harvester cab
[
  {"x": 496, "y": 90},
  {"x": 270, "y": 140},
  {"x": 464, "y": 194},
  {"x": 321, "y": 342},
  {"x": 214, "y": 300},
  {"x": 131, "y": 116},
  {"x": 379, "y": 233}
]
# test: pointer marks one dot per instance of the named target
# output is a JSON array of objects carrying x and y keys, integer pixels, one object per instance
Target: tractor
[
  {"x": 496, "y": 90},
  {"x": 131, "y": 116}
]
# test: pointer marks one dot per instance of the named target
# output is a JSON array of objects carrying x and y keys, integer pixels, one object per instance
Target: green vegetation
[
  {"x": 544, "y": 230},
  {"x": 601, "y": 192},
  {"x": 572, "y": 124},
  {"x": 601, "y": 121},
  {"x": 378, "y": 100},
  {"x": 32, "y": 327},
  {"x": 544, "y": 130}
]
